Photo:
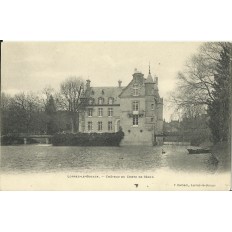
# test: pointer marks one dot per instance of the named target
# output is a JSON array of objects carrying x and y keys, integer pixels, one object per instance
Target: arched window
[
  {"x": 100, "y": 100},
  {"x": 110, "y": 101}
]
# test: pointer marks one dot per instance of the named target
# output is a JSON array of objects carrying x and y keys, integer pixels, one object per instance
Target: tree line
[
  {"x": 37, "y": 113},
  {"x": 204, "y": 87}
]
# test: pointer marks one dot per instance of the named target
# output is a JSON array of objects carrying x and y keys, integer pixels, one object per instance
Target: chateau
[{"x": 137, "y": 109}]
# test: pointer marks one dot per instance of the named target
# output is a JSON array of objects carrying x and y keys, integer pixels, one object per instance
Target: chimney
[
  {"x": 88, "y": 84},
  {"x": 138, "y": 76},
  {"x": 119, "y": 83}
]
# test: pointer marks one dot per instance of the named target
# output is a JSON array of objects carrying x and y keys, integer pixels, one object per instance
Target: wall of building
[
  {"x": 150, "y": 114},
  {"x": 159, "y": 123},
  {"x": 104, "y": 119},
  {"x": 139, "y": 134}
]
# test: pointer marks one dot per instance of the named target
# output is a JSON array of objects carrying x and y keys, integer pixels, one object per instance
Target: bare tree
[
  {"x": 195, "y": 82},
  {"x": 5, "y": 100},
  {"x": 47, "y": 92},
  {"x": 204, "y": 87},
  {"x": 26, "y": 113},
  {"x": 70, "y": 99}
]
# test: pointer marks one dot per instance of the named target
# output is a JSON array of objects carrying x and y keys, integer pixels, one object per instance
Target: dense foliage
[
  {"x": 219, "y": 109},
  {"x": 22, "y": 113},
  {"x": 204, "y": 87},
  {"x": 50, "y": 110},
  {"x": 15, "y": 140},
  {"x": 88, "y": 139},
  {"x": 47, "y": 112}
]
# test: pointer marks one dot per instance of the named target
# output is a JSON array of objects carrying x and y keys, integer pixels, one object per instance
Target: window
[
  {"x": 135, "y": 91},
  {"x": 152, "y": 119},
  {"x": 111, "y": 101},
  {"x": 152, "y": 106},
  {"x": 99, "y": 126},
  {"x": 91, "y": 101},
  {"x": 135, "y": 105},
  {"x": 110, "y": 126},
  {"x": 100, "y": 100},
  {"x": 90, "y": 126},
  {"x": 100, "y": 112},
  {"x": 90, "y": 112},
  {"x": 110, "y": 112},
  {"x": 135, "y": 120}
]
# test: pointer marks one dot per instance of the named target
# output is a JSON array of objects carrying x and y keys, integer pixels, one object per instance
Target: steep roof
[
  {"x": 149, "y": 79},
  {"x": 106, "y": 92}
]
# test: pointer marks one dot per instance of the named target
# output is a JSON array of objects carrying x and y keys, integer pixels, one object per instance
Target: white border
[{"x": 115, "y": 21}]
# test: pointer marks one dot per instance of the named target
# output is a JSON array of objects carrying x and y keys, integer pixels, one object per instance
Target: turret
[{"x": 149, "y": 84}]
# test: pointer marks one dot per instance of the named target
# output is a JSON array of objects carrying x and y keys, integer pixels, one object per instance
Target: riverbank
[{"x": 222, "y": 151}]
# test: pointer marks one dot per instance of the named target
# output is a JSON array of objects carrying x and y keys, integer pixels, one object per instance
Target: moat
[{"x": 49, "y": 159}]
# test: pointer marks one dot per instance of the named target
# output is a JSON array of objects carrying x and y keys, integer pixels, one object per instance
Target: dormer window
[
  {"x": 110, "y": 101},
  {"x": 135, "y": 90},
  {"x": 100, "y": 100},
  {"x": 91, "y": 101}
]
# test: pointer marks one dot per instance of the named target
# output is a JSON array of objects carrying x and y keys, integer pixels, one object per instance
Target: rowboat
[{"x": 198, "y": 150}]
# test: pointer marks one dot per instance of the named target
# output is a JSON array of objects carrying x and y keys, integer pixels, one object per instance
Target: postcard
[{"x": 116, "y": 116}]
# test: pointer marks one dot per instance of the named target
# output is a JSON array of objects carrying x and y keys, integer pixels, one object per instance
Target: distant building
[{"x": 137, "y": 109}]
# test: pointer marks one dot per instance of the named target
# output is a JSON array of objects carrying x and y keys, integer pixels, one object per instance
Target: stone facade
[
  {"x": 102, "y": 113},
  {"x": 137, "y": 109}
]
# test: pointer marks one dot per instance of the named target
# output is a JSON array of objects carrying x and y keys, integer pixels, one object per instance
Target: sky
[{"x": 32, "y": 66}]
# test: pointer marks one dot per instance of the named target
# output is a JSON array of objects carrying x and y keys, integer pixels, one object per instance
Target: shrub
[
  {"x": 7, "y": 140},
  {"x": 11, "y": 140},
  {"x": 88, "y": 139}
]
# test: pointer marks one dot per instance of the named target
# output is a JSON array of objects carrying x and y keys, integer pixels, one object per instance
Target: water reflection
[{"x": 32, "y": 158}]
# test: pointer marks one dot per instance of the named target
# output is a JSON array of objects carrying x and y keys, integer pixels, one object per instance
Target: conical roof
[{"x": 149, "y": 79}]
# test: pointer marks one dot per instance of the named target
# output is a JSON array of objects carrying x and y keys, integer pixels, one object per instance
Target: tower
[
  {"x": 149, "y": 97},
  {"x": 150, "y": 117}
]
